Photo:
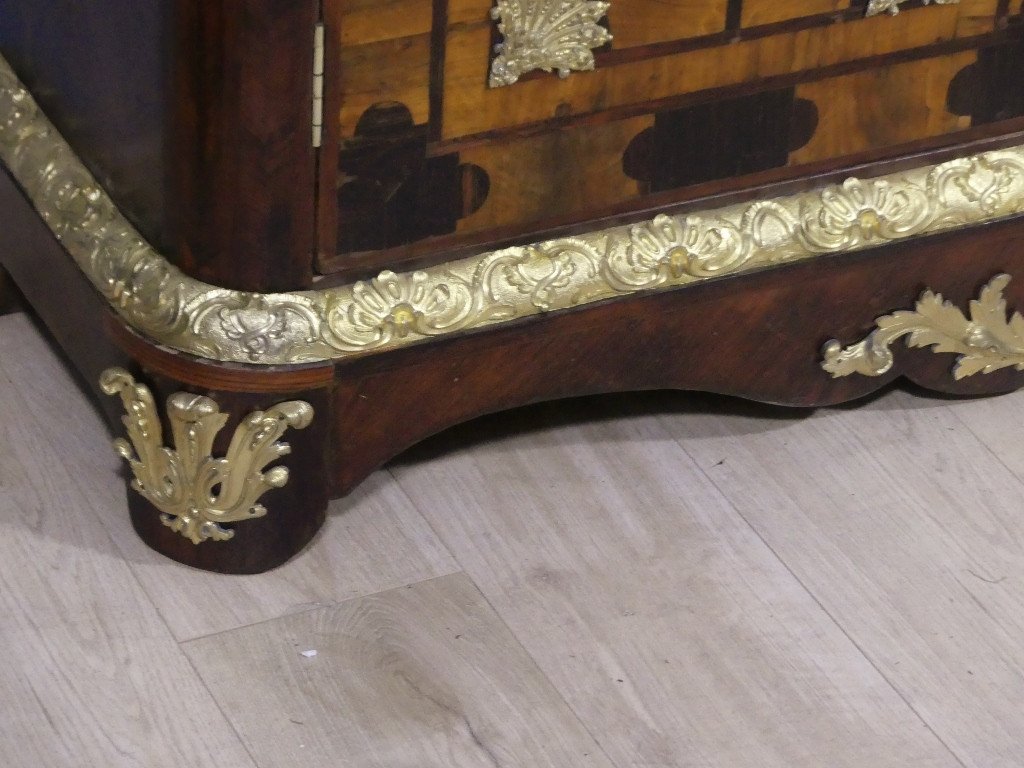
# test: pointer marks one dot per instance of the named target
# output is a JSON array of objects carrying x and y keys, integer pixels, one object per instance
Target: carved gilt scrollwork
[
  {"x": 984, "y": 342},
  {"x": 196, "y": 493},
  {"x": 397, "y": 309}
]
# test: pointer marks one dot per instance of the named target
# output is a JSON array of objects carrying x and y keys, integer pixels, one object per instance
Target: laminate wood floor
[{"x": 663, "y": 580}]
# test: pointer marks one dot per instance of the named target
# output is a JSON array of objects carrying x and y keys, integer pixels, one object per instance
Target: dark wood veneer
[
  {"x": 245, "y": 166},
  {"x": 100, "y": 71},
  {"x": 196, "y": 117},
  {"x": 756, "y": 336}
]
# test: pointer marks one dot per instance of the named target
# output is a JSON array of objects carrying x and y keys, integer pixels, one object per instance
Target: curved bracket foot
[{"x": 199, "y": 495}]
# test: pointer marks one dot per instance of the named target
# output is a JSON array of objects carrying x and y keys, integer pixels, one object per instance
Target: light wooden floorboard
[
  {"x": 425, "y": 676},
  {"x": 670, "y": 628},
  {"x": 89, "y": 674},
  {"x": 662, "y": 588},
  {"x": 998, "y": 423},
  {"x": 910, "y": 533},
  {"x": 374, "y": 540}
]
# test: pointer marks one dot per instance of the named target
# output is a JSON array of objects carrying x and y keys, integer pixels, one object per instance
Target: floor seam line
[
  {"x": 317, "y": 607},
  {"x": 557, "y": 691},
  {"x": 810, "y": 593}
]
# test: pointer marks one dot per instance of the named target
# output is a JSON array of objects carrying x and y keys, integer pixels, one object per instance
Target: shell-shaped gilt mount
[
  {"x": 892, "y": 7},
  {"x": 196, "y": 493},
  {"x": 984, "y": 342},
  {"x": 549, "y": 35}
]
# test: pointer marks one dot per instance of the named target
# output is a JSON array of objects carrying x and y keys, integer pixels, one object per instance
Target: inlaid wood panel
[
  {"x": 881, "y": 107},
  {"x": 386, "y": 56},
  {"x": 757, "y": 12},
  {"x": 620, "y": 161},
  {"x": 469, "y": 12},
  {"x": 390, "y": 70},
  {"x": 643, "y": 22},
  {"x": 370, "y": 21},
  {"x": 470, "y": 107},
  {"x": 976, "y": 17},
  {"x": 523, "y": 188},
  {"x": 429, "y": 150}
]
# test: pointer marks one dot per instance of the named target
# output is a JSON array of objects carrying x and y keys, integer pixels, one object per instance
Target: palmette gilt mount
[
  {"x": 892, "y": 7},
  {"x": 196, "y": 493},
  {"x": 396, "y": 310},
  {"x": 984, "y": 342},
  {"x": 547, "y": 35}
]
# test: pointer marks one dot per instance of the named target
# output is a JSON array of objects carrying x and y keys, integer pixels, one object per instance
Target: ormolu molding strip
[{"x": 396, "y": 310}]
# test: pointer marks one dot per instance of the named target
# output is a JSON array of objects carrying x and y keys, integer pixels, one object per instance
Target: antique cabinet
[{"x": 296, "y": 237}]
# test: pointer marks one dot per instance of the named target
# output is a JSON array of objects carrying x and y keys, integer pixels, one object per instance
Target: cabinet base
[{"x": 757, "y": 335}]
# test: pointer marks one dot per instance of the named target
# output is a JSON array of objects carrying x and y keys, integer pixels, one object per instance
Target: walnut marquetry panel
[
  {"x": 757, "y": 12},
  {"x": 523, "y": 188},
  {"x": 853, "y": 114},
  {"x": 852, "y": 109},
  {"x": 428, "y": 149},
  {"x": 471, "y": 108},
  {"x": 644, "y": 22},
  {"x": 369, "y": 21},
  {"x": 392, "y": 69}
]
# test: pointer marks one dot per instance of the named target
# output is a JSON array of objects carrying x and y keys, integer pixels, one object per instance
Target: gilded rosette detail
[
  {"x": 398, "y": 309},
  {"x": 198, "y": 494}
]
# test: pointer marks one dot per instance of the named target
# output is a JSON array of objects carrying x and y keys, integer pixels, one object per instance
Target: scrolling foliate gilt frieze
[
  {"x": 548, "y": 35},
  {"x": 985, "y": 341},
  {"x": 399, "y": 309},
  {"x": 892, "y": 7},
  {"x": 197, "y": 493}
]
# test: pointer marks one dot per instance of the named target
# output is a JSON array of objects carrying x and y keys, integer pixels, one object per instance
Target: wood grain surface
[
  {"x": 243, "y": 164},
  {"x": 622, "y": 569},
  {"x": 757, "y": 336},
  {"x": 90, "y": 675},
  {"x": 907, "y": 528},
  {"x": 427, "y": 675},
  {"x": 470, "y": 107},
  {"x": 829, "y": 589}
]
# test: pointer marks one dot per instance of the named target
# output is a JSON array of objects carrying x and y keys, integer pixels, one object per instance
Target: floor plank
[
  {"x": 996, "y": 422},
  {"x": 425, "y": 676},
  {"x": 909, "y": 532},
  {"x": 374, "y": 540},
  {"x": 89, "y": 674},
  {"x": 633, "y": 547},
  {"x": 670, "y": 628}
]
